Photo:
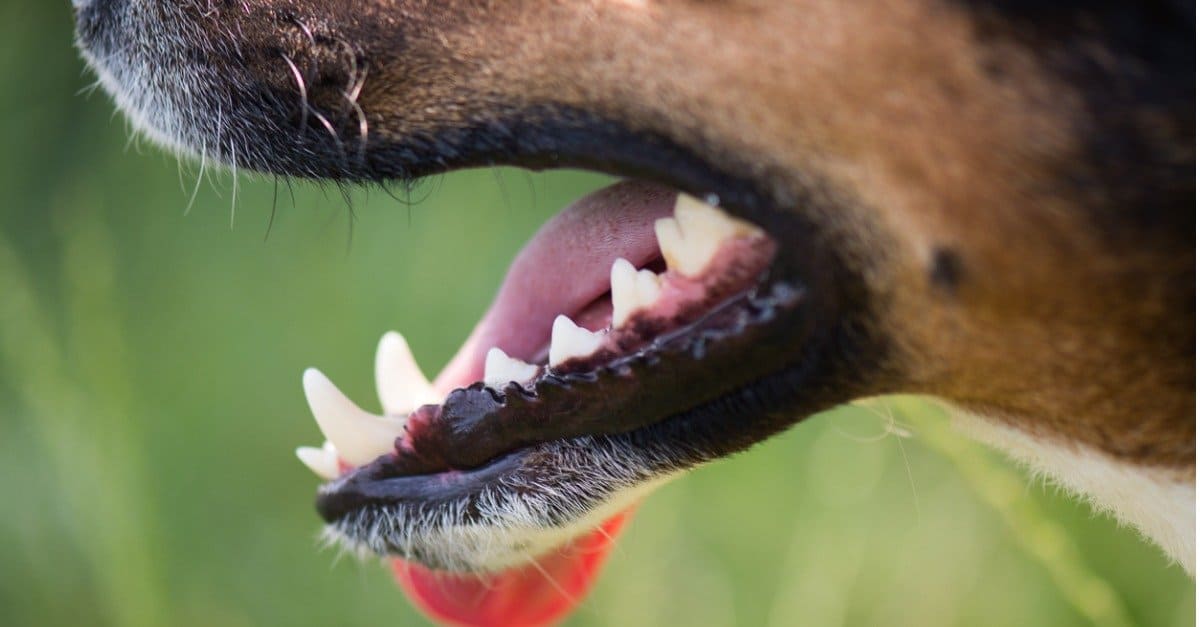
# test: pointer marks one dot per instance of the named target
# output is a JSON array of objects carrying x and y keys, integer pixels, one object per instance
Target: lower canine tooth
[
  {"x": 568, "y": 340},
  {"x": 359, "y": 437},
  {"x": 401, "y": 385},
  {"x": 690, "y": 240},
  {"x": 499, "y": 369},
  {"x": 322, "y": 461}
]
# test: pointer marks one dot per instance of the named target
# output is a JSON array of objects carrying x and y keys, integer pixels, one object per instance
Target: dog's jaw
[{"x": 976, "y": 220}]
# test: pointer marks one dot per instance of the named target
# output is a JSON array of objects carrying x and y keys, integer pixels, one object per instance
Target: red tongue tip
[{"x": 528, "y": 596}]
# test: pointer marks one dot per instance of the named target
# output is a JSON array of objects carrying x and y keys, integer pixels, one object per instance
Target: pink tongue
[
  {"x": 534, "y": 595},
  {"x": 562, "y": 270}
]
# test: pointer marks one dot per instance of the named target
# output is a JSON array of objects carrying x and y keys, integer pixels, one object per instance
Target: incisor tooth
[
  {"x": 322, "y": 461},
  {"x": 568, "y": 340},
  {"x": 691, "y": 239},
  {"x": 359, "y": 437},
  {"x": 631, "y": 290},
  {"x": 499, "y": 369},
  {"x": 401, "y": 385}
]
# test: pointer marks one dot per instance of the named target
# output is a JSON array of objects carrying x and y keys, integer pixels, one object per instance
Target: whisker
[{"x": 303, "y": 87}]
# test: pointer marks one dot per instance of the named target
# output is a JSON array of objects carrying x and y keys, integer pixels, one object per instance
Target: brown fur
[
  {"x": 1023, "y": 203},
  {"x": 1061, "y": 324}
]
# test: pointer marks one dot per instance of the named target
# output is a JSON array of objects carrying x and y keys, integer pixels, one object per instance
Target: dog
[{"x": 990, "y": 202}]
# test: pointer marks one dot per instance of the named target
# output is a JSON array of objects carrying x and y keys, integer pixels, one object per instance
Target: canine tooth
[
  {"x": 322, "y": 461},
  {"x": 631, "y": 290},
  {"x": 569, "y": 340},
  {"x": 359, "y": 437},
  {"x": 499, "y": 369},
  {"x": 401, "y": 385},
  {"x": 689, "y": 240}
]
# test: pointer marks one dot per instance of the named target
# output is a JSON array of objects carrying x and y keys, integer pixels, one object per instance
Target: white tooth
[
  {"x": 631, "y": 290},
  {"x": 499, "y": 369},
  {"x": 360, "y": 437},
  {"x": 568, "y": 340},
  {"x": 624, "y": 291},
  {"x": 649, "y": 287},
  {"x": 401, "y": 385},
  {"x": 670, "y": 242},
  {"x": 322, "y": 461},
  {"x": 690, "y": 240}
]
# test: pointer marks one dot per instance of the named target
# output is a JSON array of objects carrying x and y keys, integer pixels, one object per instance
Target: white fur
[
  {"x": 508, "y": 528},
  {"x": 1159, "y": 502}
]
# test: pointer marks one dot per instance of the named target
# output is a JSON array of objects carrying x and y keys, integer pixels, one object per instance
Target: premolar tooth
[
  {"x": 631, "y": 290},
  {"x": 359, "y": 437},
  {"x": 624, "y": 291},
  {"x": 691, "y": 239},
  {"x": 568, "y": 340},
  {"x": 499, "y": 369},
  {"x": 323, "y": 461},
  {"x": 670, "y": 242},
  {"x": 401, "y": 385}
]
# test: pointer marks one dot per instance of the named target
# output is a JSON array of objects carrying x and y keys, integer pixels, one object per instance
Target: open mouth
[
  {"x": 641, "y": 332},
  {"x": 633, "y": 337},
  {"x": 564, "y": 349},
  {"x": 608, "y": 322}
]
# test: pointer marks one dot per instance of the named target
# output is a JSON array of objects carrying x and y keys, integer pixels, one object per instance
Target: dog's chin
[{"x": 515, "y": 531}]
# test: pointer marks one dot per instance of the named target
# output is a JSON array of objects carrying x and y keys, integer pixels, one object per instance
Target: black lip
[
  {"x": 680, "y": 410},
  {"x": 804, "y": 361},
  {"x": 470, "y": 437},
  {"x": 766, "y": 358}
]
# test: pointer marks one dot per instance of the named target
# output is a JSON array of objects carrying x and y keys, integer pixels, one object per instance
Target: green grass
[{"x": 150, "y": 398}]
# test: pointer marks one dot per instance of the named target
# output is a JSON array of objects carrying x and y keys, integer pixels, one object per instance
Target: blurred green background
[{"x": 150, "y": 362}]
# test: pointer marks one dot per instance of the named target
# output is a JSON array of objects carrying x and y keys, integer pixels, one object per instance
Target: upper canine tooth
[
  {"x": 401, "y": 385},
  {"x": 359, "y": 437},
  {"x": 323, "y": 461},
  {"x": 690, "y": 240},
  {"x": 499, "y": 369},
  {"x": 631, "y": 290},
  {"x": 568, "y": 340}
]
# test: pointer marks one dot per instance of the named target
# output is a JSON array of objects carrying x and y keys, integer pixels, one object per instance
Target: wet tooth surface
[
  {"x": 322, "y": 461},
  {"x": 623, "y": 279},
  {"x": 670, "y": 242},
  {"x": 359, "y": 437},
  {"x": 568, "y": 340},
  {"x": 401, "y": 385},
  {"x": 631, "y": 290},
  {"x": 649, "y": 288},
  {"x": 499, "y": 369},
  {"x": 691, "y": 239}
]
